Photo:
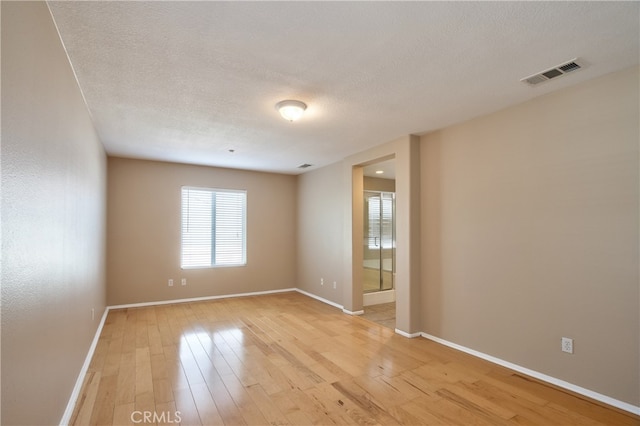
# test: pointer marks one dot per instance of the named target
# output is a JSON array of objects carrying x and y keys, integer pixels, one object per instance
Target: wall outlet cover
[{"x": 567, "y": 345}]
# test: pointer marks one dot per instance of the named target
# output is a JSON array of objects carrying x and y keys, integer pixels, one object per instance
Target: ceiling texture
[{"x": 189, "y": 81}]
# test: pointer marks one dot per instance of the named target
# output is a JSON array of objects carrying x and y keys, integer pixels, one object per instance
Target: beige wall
[
  {"x": 53, "y": 220},
  {"x": 144, "y": 232},
  {"x": 379, "y": 184},
  {"x": 320, "y": 227},
  {"x": 530, "y": 233}
]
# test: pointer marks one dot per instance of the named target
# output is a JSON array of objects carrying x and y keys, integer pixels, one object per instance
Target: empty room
[{"x": 421, "y": 213}]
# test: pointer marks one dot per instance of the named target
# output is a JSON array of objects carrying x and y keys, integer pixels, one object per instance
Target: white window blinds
[
  {"x": 213, "y": 227},
  {"x": 380, "y": 209}
]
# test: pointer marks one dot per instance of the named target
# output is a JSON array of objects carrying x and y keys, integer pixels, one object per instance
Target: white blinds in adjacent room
[
  {"x": 380, "y": 221},
  {"x": 213, "y": 227}
]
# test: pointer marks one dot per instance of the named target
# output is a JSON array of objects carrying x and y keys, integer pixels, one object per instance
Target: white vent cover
[{"x": 560, "y": 70}]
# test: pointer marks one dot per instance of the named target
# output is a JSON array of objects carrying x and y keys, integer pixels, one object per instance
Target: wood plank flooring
[{"x": 289, "y": 359}]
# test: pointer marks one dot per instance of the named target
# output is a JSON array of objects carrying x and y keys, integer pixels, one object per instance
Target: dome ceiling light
[{"x": 291, "y": 110}]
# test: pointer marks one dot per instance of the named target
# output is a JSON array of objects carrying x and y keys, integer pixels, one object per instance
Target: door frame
[{"x": 406, "y": 151}]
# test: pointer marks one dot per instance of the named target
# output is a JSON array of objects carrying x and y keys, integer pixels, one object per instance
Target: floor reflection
[{"x": 383, "y": 314}]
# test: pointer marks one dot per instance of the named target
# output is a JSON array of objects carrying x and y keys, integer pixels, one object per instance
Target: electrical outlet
[
  {"x": 334, "y": 285},
  {"x": 321, "y": 281},
  {"x": 567, "y": 345},
  {"x": 170, "y": 282},
  {"x": 184, "y": 281}
]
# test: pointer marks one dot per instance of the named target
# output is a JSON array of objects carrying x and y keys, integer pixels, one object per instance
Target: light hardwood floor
[{"x": 289, "y": 359}]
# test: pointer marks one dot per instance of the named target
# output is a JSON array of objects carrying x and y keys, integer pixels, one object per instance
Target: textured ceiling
[{"x": 189, "y": 81}]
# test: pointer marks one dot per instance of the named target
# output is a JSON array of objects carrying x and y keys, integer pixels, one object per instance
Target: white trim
[
  {"x": 408, "y": 335},
  {"x": 321, "y": 299},
  {"x": 346, "y": 311},
  {"x": 73, "y": 399},
  {"x": 378, "y": 297},
  {"x": 199, "y": 299},
  {"x": 329, "y": 302},
  {"x": 540, "y": 376}
]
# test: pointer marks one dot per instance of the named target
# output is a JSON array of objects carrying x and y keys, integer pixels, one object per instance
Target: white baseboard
[
  {"x": 408, "y": 335},
  {"x": 329, "y": 302},
  {"x": 200, "y": 299},
  {"x": 348, "y": 312},
  {"x": 540, "y": 376},
  {"x": 71, "y": 405},
  {"x": 378, "y": 297},
  {"x": 321, "y": 299}
]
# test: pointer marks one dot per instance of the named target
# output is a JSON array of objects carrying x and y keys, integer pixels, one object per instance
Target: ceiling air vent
[
  {"x": 557, "y": 71},
  {"x": 304, "y": 166}
]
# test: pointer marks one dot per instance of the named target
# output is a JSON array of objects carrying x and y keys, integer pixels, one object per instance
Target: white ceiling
[{"x": 188, "y": 81}]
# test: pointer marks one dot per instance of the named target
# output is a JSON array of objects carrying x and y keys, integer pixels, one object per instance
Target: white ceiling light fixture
[{"x": 291, "y": 110}]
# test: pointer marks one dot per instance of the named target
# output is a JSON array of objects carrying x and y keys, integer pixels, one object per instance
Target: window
[{"x": 213, "y": 227}]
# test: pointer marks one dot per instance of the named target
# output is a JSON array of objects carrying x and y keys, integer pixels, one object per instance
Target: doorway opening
[{"x": 379, "y": 242}]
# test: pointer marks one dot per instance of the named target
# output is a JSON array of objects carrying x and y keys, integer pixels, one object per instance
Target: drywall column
[
  {"x": 408, "y": 236},
  {"x": 353, "y": 236}
]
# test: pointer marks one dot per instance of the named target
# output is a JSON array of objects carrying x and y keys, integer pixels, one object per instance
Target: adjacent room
[{"x": 320, "y": 213}]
